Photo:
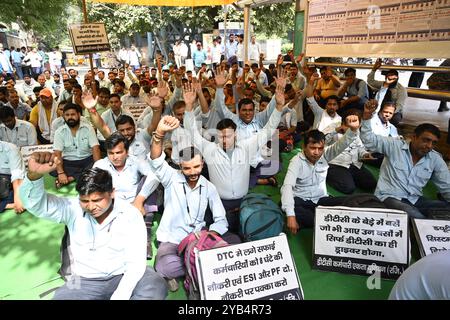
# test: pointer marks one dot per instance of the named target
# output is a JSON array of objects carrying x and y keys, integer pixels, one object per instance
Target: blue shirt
[
  {"x": 307, "y": 181},
  {"x": 399, "y": 177},
  {"x": 184, "y": 208},
  {"x": 199, "y": 56}
]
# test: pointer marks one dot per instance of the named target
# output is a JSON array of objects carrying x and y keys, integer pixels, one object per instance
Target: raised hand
[
  {"x": 220, "y": 78},
  {"x": 189, "y": 96},
  {"x": 280, "y": 60},
  {"x": 300, "y": 57},
  {"x": 279, "y": 97},
  {"x": 162, "y": 89},
  {"x": 167, "y": 124},
  {"x": 377, "y": 64},
  {"x": 280, "y": 79},
  {"x": 154, "y": 102},
  {"x": 42, "y": 163},
  {"x": 369, "y": 108},
  {"x": 352, "y": 122},
  {"x": 88, "y": 100}
]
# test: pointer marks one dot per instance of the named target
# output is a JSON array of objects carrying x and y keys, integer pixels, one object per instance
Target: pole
[
  {"x": 94, "y": 89},
  {"x": 299, "y": 34},
  {"x": 246, "y": 31},
  {"x": 225, "y": 8}
]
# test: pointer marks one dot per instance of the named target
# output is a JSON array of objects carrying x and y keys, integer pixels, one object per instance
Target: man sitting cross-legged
[
  {"x": 76, "y": 144},
  {"x": 407, "y": 167},
  {"x": 304, "y": 186},
  {"x": 186, "y": 198},
  {"x": 229, "y": 160},
  {"x": 133, "y": 179},
  {"x": 107, "y": 236}
]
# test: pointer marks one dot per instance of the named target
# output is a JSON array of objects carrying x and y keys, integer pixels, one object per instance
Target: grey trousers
[{"x": 151, "y": 287}]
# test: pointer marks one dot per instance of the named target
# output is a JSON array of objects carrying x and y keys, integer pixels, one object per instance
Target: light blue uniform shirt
[
  {"x": 117, "y": 246},
  {"x": 177, "y": 221},
  {"x": 23, "y": 134},
  {"x": 126, "y": 181},
  {"x": 78, "y": 147},
  {"x": 307, "y": 181},
  {"x": 11, "y": 162},
  {"x": 399, "y": 177}
]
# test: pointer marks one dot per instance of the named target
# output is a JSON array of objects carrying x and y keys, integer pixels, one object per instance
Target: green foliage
[
  {"x": 125, "y": 20},
  {"x": 285, "y": 47},
  {"x": 47, "y": 19},
  {"x": 274, "y": 19}
]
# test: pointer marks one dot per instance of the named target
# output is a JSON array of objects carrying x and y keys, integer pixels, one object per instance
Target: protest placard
[
  {"x": 89, "y": 38},
  {"x": 361, "y": 241},
  {"x": 135, "y": 109},
  {"x": 27, "y": 151},
  {"x": 262, "y": 269},
  {"x": 432, "y": 235}
]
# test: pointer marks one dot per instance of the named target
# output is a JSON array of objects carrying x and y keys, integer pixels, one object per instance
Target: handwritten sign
[
  {"x": 27, "y": 151},
  {"x": 135, "y": 109},
  {"x": 432, "y": 235},
  {"x": 361, "y": 241},
  {"x": 262, "y": 269},
  {"x": 89, "y": 38}
]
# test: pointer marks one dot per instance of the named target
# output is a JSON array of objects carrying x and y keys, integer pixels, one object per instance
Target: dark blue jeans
[{"x": 418, "y": 210}]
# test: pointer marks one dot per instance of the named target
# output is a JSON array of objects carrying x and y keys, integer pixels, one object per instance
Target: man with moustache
[
  {"x": 407, "y": 167},
  {"x": 76, "y": 144},
  {"x": 389, "y": 90},
  {"x": 186, "y": 198},
  {"x": 107, "y": 236}
]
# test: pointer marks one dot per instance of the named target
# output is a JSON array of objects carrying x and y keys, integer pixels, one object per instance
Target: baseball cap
[{"x": 46, "y": 92}]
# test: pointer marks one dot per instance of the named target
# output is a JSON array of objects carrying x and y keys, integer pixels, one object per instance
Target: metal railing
[
  {"x": 383, "y": 67},
  {"x": 412, "y": 92}
]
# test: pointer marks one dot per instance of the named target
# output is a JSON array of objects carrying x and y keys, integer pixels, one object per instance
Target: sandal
[
  {"x": 272, "y": 181},
  {"x": 57, "y": 184}
]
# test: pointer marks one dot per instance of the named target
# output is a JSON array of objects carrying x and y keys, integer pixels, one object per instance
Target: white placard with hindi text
[
  {"x": 27, "y": 151},
  {"x": 262, "y": 269},
  {"x": 361, "y": 241},
  {"x": 432, "y": 235},
  {"x": 135, "y": 109},
  {"x": 89, "y": 38}
]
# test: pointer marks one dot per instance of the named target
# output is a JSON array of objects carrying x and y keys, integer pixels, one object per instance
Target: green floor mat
[{"x": 29, "y": 250}]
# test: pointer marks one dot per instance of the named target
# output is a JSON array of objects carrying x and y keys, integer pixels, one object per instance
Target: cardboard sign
[
  {"x": 27, "y": 151},
  {"x": 361, "y": 241},
  {"x": 135, "y": 109},
  {"x": 432, "y": 235},
  {"x": 89, "y": 38},
  {"x": 262, "y": 269}
]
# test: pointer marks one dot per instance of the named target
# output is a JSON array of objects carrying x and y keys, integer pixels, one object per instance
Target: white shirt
[
  {"x": 110, "y": 120},
  {"x": 231, "y": 174},
  {"x": 141, "y": 144},
  {"x": 351, "y": 155},
  {"x": 177, "y": 220},
  {"x": 216, "y": 53},
  {"x": 11, "y": 162},
  {"x": 288, "y": 118},
  {"x": 115, "y": 247},
  {"x": 308, "y": 181},
  {"x": 78, "y": 147},
  {"x": 23, "y": 134},
  {"x": 126, "y": 181},
  {"x": 254, "y": 51},
  {"x": 322, "y": 120}
]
